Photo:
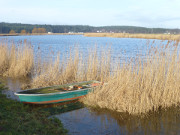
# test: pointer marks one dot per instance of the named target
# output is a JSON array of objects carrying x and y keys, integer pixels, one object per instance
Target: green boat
[{"x": 57, "y": 94}]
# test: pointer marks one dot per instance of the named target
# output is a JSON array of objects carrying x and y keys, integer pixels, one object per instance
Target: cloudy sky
[{"x": 147, "y": 13}]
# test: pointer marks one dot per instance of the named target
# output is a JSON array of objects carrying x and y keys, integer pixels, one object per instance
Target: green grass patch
[{"x": 17, "y": 118}]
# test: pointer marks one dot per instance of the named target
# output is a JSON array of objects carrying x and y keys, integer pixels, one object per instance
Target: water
[
  {"x": 91, "y": 122},
  {"x": 83, "y": 122},
  {"x": 124, "y": 47},
  {"x": 14, "y": 85},
  {"x": 87, "y": 121}
]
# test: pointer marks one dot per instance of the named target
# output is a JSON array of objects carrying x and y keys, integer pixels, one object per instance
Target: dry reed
[
  {"x": 148, "y": 84},
  {"x": 16, "y": 61},
  {"x": 136, "y": 88},
  {"x": 152, "y": 83},
  {"x": 128, "y": 35},
  {"x": 73, "y": 68}
]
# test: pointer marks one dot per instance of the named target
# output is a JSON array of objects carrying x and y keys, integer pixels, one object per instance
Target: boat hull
[{"x": 53, "y": 97}]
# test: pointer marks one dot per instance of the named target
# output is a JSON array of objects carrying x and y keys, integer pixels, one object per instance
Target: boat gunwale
[
  {"x": 55, "y": 86},
  {"x": 72, "y": 91}
]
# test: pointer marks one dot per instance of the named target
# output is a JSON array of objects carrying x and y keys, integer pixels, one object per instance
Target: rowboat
[{"x": 57, "y": 94}]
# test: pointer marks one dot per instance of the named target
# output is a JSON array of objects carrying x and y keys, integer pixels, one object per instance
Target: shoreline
[
  {"x": 112, "y": 35},
  {"x": 18, "y": 34},
  {"x": 135, "y": 35}
]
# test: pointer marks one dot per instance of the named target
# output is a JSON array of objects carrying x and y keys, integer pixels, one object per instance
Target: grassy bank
[
  {"x": 17, "y": 119},
  {"x": 127, "y": 35}
]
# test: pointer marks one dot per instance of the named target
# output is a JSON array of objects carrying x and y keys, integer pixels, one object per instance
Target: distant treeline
[{"x": 32, "y": 28}]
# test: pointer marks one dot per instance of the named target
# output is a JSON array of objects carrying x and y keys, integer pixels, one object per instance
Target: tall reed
[
  {"x": 16, "y": 61},
  {"x": 73, "y": 67},
  {"x": 135, "y": 87},
  {"x": 151, "y": 83}
]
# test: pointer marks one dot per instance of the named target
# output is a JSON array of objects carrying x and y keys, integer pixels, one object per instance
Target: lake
[
  {"x": 90, "y": 121},
  {"x": 124, "y": 47}
]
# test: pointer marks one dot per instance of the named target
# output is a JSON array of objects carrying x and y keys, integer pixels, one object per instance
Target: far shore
[
  {"x": 135, "y": 35},
  {"x": 19, "y": 34},
  {"x": 113, "y": 35}
]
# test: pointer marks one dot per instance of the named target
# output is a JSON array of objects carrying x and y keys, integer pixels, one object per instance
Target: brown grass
[
  {"x": 127, "y": 35},
  {"x": 150, "y": 84},
  {"x": 16, "y": 61}
]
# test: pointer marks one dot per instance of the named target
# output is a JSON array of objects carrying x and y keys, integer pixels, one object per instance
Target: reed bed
[
  {"x": 16, "y": 61},
  {"x": 128, "y": 35},
  {"x": 148, "y": 84},
  {"x": 135, "y": 87},
  {"x": 73, "y": 68}
]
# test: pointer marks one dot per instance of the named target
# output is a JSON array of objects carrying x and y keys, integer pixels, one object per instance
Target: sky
[{"x": 145, "y": 13}]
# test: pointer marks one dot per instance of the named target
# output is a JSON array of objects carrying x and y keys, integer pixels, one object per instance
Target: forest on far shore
[{"x": 6, "y": 28}]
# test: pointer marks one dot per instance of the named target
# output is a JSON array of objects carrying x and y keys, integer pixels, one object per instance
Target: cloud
[{"x": 157, "y": 17}]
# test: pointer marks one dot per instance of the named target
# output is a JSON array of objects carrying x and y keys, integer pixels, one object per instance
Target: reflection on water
[
  {"x": 164, "y": 121},
  {"x": 84, "y": 122},
  {"x": 91, "y": 122},
  {"x": 14, "y": 85}
]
